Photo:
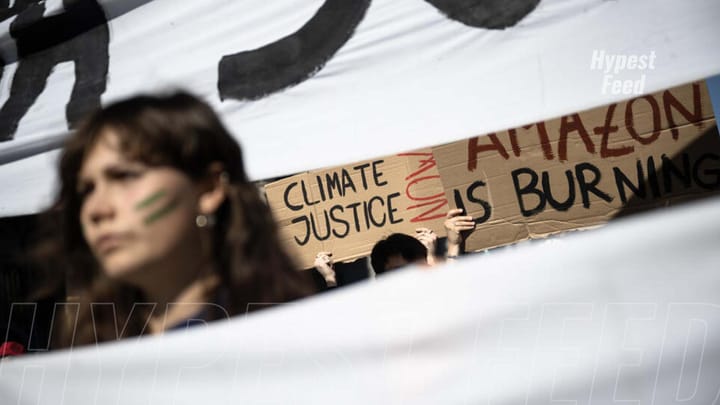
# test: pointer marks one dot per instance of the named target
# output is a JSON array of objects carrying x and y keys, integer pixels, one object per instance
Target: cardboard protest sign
[
  {"x": 582, "y": 169},
  {"x": 345, "y": 210}
]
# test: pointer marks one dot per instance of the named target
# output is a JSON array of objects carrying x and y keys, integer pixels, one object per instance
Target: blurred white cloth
[{"x": 630, "y": 312}]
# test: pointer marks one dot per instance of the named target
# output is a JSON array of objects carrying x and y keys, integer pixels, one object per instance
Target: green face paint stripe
[
  {"x": 150, "y": 200},
  {"x": 161, "y": 212}
]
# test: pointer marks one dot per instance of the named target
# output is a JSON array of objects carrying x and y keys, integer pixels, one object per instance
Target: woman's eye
[{"x": 125, "y": 175}]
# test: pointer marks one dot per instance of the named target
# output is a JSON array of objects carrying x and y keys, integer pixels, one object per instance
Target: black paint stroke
[
  {"x": 489, "y": 14},
  {"x": 254, "y": 74},
  {"x": 112, "y": 10},
  {"x": 79, "y": 34},
  {"x": 8, "y": 12}
]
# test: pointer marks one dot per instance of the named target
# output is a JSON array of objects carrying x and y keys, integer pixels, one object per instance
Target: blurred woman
[{"x": 159, "y": 225}]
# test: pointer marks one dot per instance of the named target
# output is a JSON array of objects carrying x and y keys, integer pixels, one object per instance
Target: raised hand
[
  {"x": 325, "y": 266},
  {"x": 456, "y": 227},
  {"x": 428, "y": 238}
]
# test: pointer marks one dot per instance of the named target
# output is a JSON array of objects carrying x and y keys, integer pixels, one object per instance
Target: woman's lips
[{"x": 109, "y": 242}]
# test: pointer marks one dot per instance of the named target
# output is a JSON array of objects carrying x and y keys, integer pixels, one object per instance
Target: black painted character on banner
[
  {"x": 78, "y": 34},
  {"x": 254, "y": 74}
]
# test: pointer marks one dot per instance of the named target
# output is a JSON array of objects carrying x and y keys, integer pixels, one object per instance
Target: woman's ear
[{"x": 213, "y": 189}]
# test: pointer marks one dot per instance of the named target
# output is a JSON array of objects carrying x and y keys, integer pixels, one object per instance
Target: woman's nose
[{"x": 100, "y": 207}]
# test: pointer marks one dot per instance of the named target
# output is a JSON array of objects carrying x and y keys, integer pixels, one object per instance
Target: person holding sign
[
  {"x": 393, "y": 252},
  {"x": 399, "y": 250},
  {"x": 159, "y": 223}
]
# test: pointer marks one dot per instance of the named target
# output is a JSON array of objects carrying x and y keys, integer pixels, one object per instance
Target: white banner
[
  {"x": 629, "y": 313},
  {"x": 313, "y": 83}
]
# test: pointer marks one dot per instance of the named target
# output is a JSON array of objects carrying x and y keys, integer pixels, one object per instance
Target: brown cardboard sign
[
  {"x": 346, "y": 210},
  {"x": 582, "y": 169}
]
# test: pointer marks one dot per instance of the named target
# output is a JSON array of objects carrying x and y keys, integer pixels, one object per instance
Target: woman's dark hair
[
  {"x": 180, "y": 131},
  {"x": 397, "y": 244}
]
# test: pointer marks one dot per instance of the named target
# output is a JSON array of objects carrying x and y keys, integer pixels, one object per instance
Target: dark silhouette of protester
[{"x": 396, "y": 251}]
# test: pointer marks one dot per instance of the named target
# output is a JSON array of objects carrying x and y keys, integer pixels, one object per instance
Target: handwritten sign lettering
[
  {"x": 582, "y": 169},
  {"x": 347, "y": 209}
]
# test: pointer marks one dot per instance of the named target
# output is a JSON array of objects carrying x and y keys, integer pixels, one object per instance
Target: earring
[{"x": 203, "y": 220}]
